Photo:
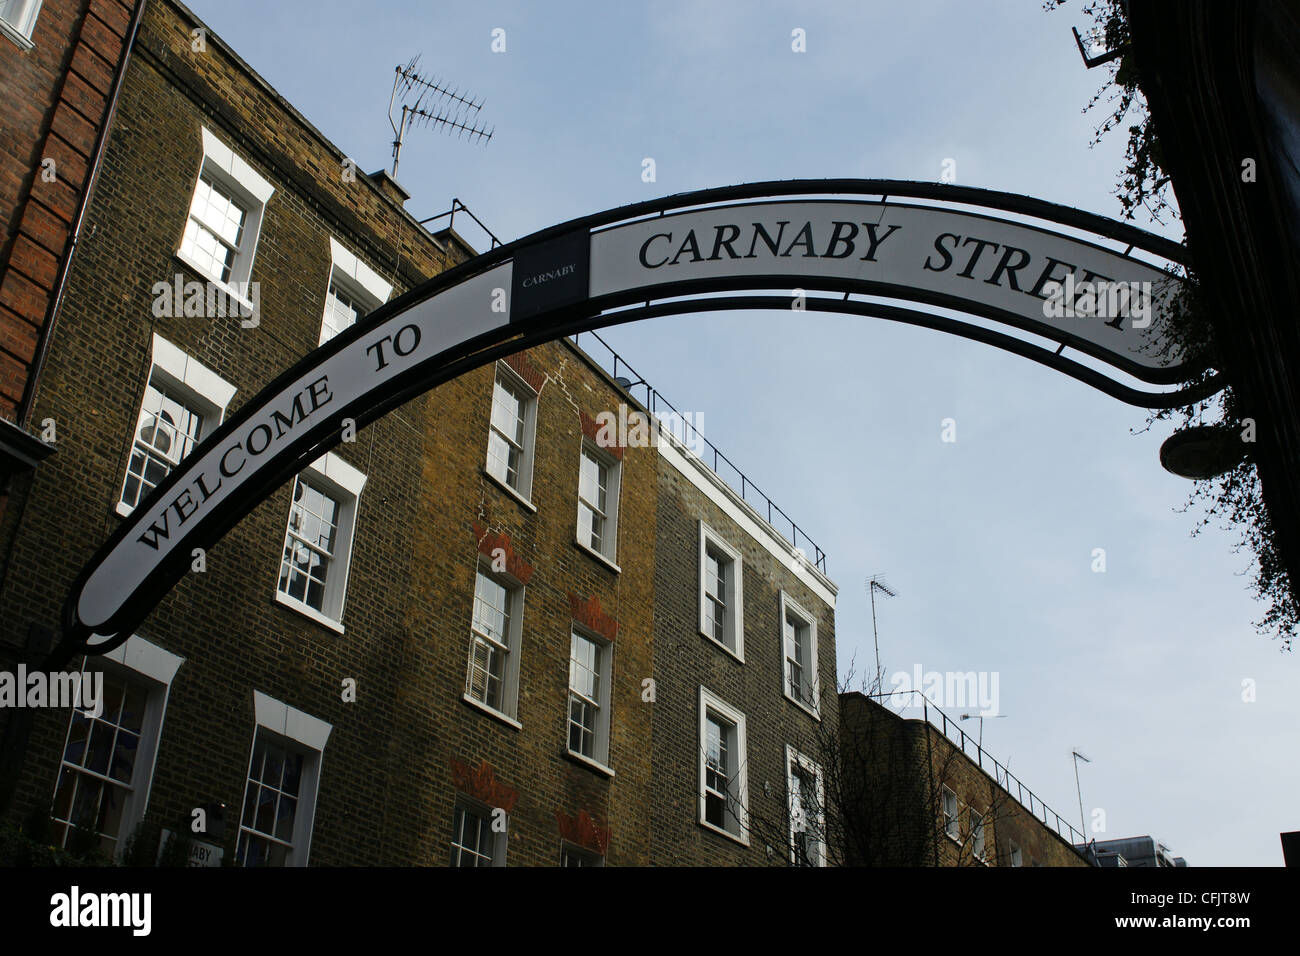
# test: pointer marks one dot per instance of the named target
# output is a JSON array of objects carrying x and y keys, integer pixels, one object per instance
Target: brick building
[
  {"x": 744, "y": 660},
  {"x": 921, "y": 792},
  {"x": 61, "y": 61},
  {"x": 486, "y": 629}
]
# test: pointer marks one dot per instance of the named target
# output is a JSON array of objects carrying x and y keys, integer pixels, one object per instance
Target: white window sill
[
  {"x": 811, "y": 711},
  {"x": 308, "y": 612},
  {"x": 956, "y": 840},
  {"x": 492, "y": 712},
  {"x": 124, "y": 509},
  {"x": 739, "y": 656},
  {"x": 508, "y": 490},
  {"x": 22, "y": 42},
  {"x": 588, "y": 762},
  {"x": 741, "y": 839},
  {"x": 207, "y": 276},
  {"x": 598, "y": 556}
]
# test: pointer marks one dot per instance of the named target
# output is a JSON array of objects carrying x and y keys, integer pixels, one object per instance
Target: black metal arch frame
[{"x": 591, "y": 314}]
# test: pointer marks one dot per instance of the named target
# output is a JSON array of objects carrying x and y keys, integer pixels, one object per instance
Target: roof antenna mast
[
  {"x": 877, "y": 583},
  {"x": 432, "y": 103}
]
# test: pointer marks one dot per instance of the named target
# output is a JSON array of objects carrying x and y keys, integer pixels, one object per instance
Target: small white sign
[{"x": 201, "y": 854}]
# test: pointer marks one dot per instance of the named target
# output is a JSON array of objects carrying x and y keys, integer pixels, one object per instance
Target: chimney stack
[{"x": 390, "y": 187}]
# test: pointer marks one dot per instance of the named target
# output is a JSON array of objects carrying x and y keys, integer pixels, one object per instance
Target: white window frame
[
  {"x": 20, "y": 22},
  {"x": 343, "y": 482},
  {"x": 580, "y": 853},
  {"x": 500, "y": 841},
  {"x": 735, "y": 620},
  {"x": 201, "y": 390},
  {"x": 978, "y": 837},
  {"x": 599, "y": 758},
  {"x": 608, "y": 553},
  {"x": 712, "y": 703},
  {"x": 285, "y": 725},
  {"x": 509, "y": 713},
  {"x": 528, "y": 397},
  {"x": 807, "y": 768},
  {"x": 951, "y": 822},
  {"x": 233, "y": 174},
  {"x": 811, "y": 685},
  {"x": 153, "y": 669},
  {"x": 357, "y": 279},
  {"x": 1016, "y": 857}
]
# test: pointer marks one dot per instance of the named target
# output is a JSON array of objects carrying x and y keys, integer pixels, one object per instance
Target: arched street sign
[{"x": 828, "y": 245}]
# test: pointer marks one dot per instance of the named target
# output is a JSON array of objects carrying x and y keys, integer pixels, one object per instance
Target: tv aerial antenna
[
  {"x": 426, "y": 101},
  {"x": 1079, "y": 790},
  {"x": 877, "y": 583}
]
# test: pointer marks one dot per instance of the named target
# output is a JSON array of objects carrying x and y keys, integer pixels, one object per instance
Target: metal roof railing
[
  {"x": 450, "y": 216},
  {"x": 776, "y": 516},
  {"x": 1001, "y": 775},
  {"x": 749, "y": 492}
]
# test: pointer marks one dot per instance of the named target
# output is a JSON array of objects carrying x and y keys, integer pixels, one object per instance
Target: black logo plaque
[{"x": 551, "y": 275}]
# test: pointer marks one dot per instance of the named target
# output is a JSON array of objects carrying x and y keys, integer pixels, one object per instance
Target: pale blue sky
[{"x": 989, "y": 540}]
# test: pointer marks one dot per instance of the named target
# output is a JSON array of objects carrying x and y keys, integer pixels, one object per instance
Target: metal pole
[
  {"x": 874, "y": 634},
  {"x": 1079, "y": 789}
]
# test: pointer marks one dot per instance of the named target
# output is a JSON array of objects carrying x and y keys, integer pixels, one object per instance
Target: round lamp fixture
[{"x": 1202, "y": 451}]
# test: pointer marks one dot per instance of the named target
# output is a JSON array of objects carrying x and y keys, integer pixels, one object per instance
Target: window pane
[
  {"x": 215, "y": 228},
  {"x": 309, "y": 544},
  {"x": 592, "y": 481},
  {"x": 584, "y": 694},
  {"x": 490, "y": 642},
  {"x": 101, "y": 746},
  {"x": 292, "y": 774},
  {"x": 796, "y": 655},
  {"x": 133, "y": 704},
  {"x": 491, "y": 609},
  {"x": 214, "y": 207},
  {"x": 341, "y": 311},
  {"x": 715, "y": 809},
  {"x": 717, "y": 586},
  {"x": 207, "y": 251},
  {"x": 805, "y": 816},
  {"x": 124, "y": 752},
  {"x": 582, "y": 726},
  {"x": 503, "y": 460},
  {"x": 270, "y": 805},
  {"x": 508, "y": 413},
  {"x": 584, "y": 673},
  {"x": 264, "y": 813},
  {"x": 506, "y": 435},
  {"x": 472, "y": 842},
  {"x": 19, "y": 14},
  {"x": 721, "y": 773},
  {"x": 715, "y": 577},
  {"x": 166, "y": 431},
  {"x": 99, "y": 761},
  {"x": 715, "y": 753},
  {"x": 591, "y": 526}
]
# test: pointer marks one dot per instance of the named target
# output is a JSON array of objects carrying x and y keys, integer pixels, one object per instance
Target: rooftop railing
[
  {"x": 721, "y": 465},
  {"x": 450, "y": 216},
  {"x": 1001, "y": 775}
]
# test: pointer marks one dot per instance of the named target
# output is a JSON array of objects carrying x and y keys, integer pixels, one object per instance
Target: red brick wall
[{"x": 56, "y": 101}]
